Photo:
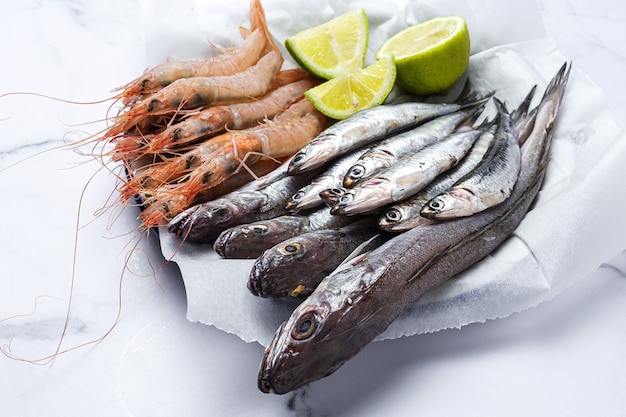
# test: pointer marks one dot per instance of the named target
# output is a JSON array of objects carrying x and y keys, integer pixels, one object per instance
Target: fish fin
[
  {"x": 522, "y": 110},
  {"x": 362, "y": 249}
]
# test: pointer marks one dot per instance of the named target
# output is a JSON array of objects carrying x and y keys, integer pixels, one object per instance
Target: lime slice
[
  {"x": 334, "y": 48},
  {"x": 430, "y": 56},
  {"x": 343, "y": 96}
]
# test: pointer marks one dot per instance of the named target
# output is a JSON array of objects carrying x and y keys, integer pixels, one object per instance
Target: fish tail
[
  {"x": 470, "y": 98},
  {"x": 522, "y": 110}
]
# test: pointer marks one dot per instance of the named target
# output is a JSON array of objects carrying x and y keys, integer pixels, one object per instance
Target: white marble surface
[{"x": 564, "y": 357}]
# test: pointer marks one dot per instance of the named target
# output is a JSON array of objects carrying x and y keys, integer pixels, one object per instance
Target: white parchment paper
[{"x": 575, "y": 225}]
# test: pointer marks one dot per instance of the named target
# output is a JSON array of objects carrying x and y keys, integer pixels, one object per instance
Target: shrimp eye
[
  {"x": 189, "y": 161},
  {"x": 393, "y": 215},
  {"x": 145, "y": 84},
  {"x": 176, "y": 134},
  {"x": 290, "y": 249},
  {"x": 153, "y": 105},
  {"x": 357, "y": 171},
  {"x": 206, "y": 177},
  {"x": 305, "y": 327},
  {"x": 436, "y": 204}
]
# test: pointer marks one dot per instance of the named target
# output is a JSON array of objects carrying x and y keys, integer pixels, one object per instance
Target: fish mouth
[
  {"x": 265, "y": 381},
  {"x": 254, "y": 283}
]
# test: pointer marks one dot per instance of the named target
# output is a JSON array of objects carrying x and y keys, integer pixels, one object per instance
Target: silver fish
[
  {"x": 309, "y": 196},
  {"x": 296, "y": 266},
  {"x": 407, "y": 176},
  {"x": 249, "y": 241},
  {"x": 488, "y": 184},
  {"x": 405, "y": 215},
  {"x": 370, "y": 125},
  {"x": 359, "y": 300},
  {"x": 262, "y": 199},
  {"x": 386, "y": 152}
]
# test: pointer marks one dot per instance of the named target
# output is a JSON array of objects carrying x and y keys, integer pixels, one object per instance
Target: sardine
[
  {"x": 297, "y": 265},
  {"x": 359, "y": 300},
  {"x": 259, "y": 200},
  {"x": 309, "y": 196},
  {"x": 488, "y": 184},
  {"x": 249, "y": 241},
  {"x": 386, "y": 152},
  {"x": 407, "y": 176},
  {"x": 370, "y": 125},
  {"x": 405, "y": 214}
]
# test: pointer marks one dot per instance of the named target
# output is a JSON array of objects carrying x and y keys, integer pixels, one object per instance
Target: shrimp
[
  {"x": 278, "y": 138},
  {"x": 228, "y": 63},
  {"x": 213, "y": 120},
  {"x": 188, "y": 93}
]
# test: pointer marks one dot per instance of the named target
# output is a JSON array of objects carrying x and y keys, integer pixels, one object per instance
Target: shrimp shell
[
  {"x": 187, "y": 93},
  {"x": 281, "y": 137},
  {"x": 231, "y": 62}
]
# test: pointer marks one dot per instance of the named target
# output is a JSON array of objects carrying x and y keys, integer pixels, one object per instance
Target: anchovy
[
  {"x": 407, "y": 176},
  {"x": 388, "y": 151},
  {"x": 359, "y": 300},
  {"x": 488, "y": 184},
  {"x": 370, "y": 125},
  {"x": 248, "y": 241},
  {"x": 405, "y": 215},
  {"x": 309, "y": 196},
  {"x": 261, "y": 199},
  {"x": 297, "y": 265}
]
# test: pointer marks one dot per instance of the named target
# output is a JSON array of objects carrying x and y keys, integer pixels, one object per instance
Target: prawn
[
  {"x": 214, "y": 120},
  {"x": 278, "y": 138},
  {"x": 231, "y": 62},
  {"x": 188, "y": 93}
]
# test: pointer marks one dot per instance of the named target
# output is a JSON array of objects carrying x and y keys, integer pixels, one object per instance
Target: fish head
[
  {"x": 272, "y": 274},
  {"x": 313, "y": 155},
  {"x": 363, "y": 199},
  {"x": 399, "y": 218},
  {"x": 451, "y": 204},
  {"x": 306, "y": 347},
  {"x": 252, "y": 239},
  {"x": 332, "y": 195}
]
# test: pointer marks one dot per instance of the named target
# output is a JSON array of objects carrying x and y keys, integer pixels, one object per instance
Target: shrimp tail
[{"x": 257, "y": 21}]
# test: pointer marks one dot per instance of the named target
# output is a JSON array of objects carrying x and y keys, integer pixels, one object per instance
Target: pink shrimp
[
  {"x": 228, "y": 63},
  {"x": 195, "y": 92},
  {"x": 278, "y": 138},
  {"x": 211, "y": 121}
]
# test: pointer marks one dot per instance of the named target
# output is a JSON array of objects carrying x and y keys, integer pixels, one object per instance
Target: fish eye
[
  {"x": 305, "y": 327},
  {"x": 290, "y": 249},
  {"x": 298, "y": 196},
  {"x": 260, "y": 229},
  {"x": 345, "y": 199},
  {"x": 357, "y": 171},
  {"x": 298, "y": 158},
  {"x": 393, "y": 215},
  {"x": 219, "y": 211},
  {"x": 436, "y": 204}
]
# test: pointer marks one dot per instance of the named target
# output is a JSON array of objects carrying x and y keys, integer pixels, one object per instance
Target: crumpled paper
[{"x": 574, "y": 225}]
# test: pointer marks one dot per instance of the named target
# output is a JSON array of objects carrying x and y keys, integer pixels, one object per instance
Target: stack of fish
[{"x": 455, "y": 186}]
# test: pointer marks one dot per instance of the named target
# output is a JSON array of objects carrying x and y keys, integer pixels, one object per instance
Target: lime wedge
[
  {"x": 343, "y": 96},
  {"x": 334, "y": 48},
  {"x": 430, "y": 56}
]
